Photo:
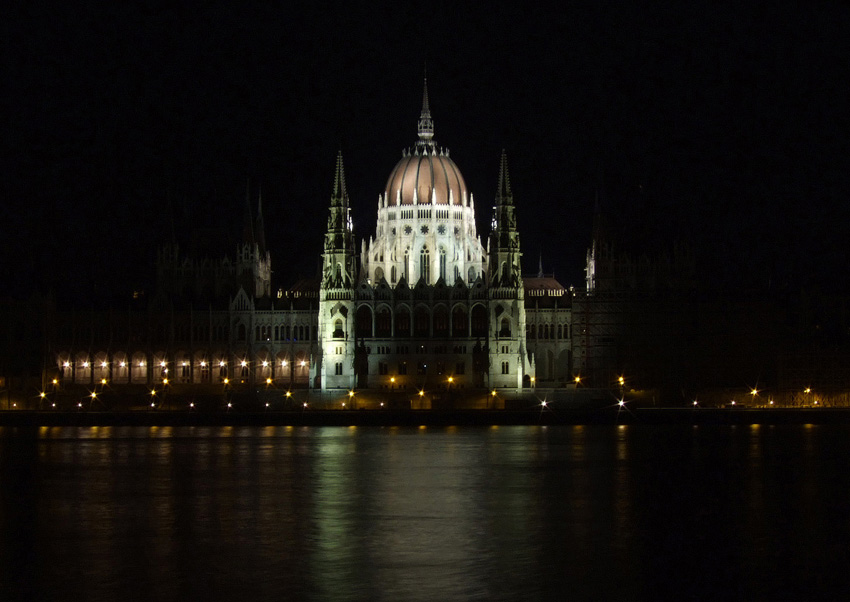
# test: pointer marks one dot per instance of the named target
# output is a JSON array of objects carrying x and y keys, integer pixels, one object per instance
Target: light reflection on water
[{"x": 508, "y": 513}]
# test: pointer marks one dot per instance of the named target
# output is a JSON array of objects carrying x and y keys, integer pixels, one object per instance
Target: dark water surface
[{"x": 472, "y": 513}]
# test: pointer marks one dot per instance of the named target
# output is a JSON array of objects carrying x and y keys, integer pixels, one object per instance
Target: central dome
[{"x": 426, "y": 177}]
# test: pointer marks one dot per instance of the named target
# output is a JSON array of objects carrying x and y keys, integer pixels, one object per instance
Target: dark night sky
[{"x": 724, "y": 125}]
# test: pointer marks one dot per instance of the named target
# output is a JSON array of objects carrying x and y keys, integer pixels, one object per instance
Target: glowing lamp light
[
  {"x": 141, "y": 364},
  {"x": 94, "y": 395},
  {"x": 42, "y": 394},
  {"x": 103, "y": 381},
  {"x": 226, "y": 381},
  {"x": 754, "y": 392},
  {"x": 165, "y": 381},
  {"x": 229, "y": 405},
  {"x": 153, "y": 393},
  {"x": 222, "y": 364},
  {"x": 351, "y": 393},
  {"x": 268, "y": 381},
  {"x": 451, "y": 379},
  {"x": 184, "y": 364},
  {"x": 85, "y": 364},
  {"x": 162, "y": 364},
  {"x": 289, "y": 394},
  {"x": 493, "y": 392},
  {"x": 66, "y": 365},
  {"x": 807, "y": 390},
  {"x": 533, "y": 379},
  {"x": 55, "y": 381},
  {"x": 283, "y": 363},
  {"x": 123, "y": 364},
  {"x": 382, "y": 404},
  {"x": 421, "y": 392},
  {"x": 695, "y": 403},
  {"x": 343, "y": 404},
  {"x": 305, "y": 403},
  {"x": 267, "y": 404},
  {"x": 153, "y": 405},
  {"x": 243, "y": 363},
  {"x": 303, "y": 363},
  {"x": 771, "y": 402},
  {"x": 543, "y": 403},
  {"x": 621, "y": 403},
  {"x": 80, "y": 404},
  {"x": 191, "y": 404},
  {"x": 203, "y": 364},
  {"x": 265, "y": 364},
  {"x": 621, "y": 380},
  {"x": 103, "y": 364},
  {"x": 577, "y": 379},
  {"x": 392, "y": 379}
]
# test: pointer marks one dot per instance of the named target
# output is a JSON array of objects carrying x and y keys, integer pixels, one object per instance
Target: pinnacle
[
  {"x": 503, "y": 192},
  {"x": 339, "y": 191}
]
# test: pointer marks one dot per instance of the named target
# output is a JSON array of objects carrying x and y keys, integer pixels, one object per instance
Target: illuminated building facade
[{"x": 424, "y": 303}]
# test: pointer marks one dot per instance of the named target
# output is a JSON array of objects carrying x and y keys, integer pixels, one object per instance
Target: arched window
[
  {"x": 421, "y": 322},
  {"x": 443, "y": 263},
  {"x": 441, "y": 321},
  {"x": 459, "y": 323},
  {"x": 338, "y": 334},
  {"x": 425, "y": 265},
  {"x": 407, "y": 265},
  {"x": 471, "y": 274},
  {"x": 363, "y": 322},
  {"x": 505, "y": 330},
  {"x": 379, "y": 274},
  {"x": 479, "y": 321},
  {"x": 402, "y": 322},
  {"x": 383, "y": 323},
  {"x": 392, "y": 275}
]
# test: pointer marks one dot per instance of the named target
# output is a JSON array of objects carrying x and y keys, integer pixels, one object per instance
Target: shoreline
[{"x": 535, "y": 416}]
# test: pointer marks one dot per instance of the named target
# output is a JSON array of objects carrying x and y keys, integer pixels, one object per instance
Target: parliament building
[{"x": 423, "y": 307}]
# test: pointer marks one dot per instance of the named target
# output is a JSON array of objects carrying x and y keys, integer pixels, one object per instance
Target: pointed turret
[
  {"x": 504, "y": 239},
  {"x": 247, "y": 221},
  {"x": 339, "y": 239},
  {"x": 336, "y": 292},
  {"x": 503, "y": 192},
  {"x": 339, "y": 197},
  {"x": 259, "y": 225}
]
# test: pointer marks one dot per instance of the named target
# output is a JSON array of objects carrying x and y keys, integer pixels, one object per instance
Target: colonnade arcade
[{"x": 290, "y": 367}]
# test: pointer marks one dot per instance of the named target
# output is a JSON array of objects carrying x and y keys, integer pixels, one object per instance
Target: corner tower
[
  {"x": 334, "y": 368},
  {"x": 510, "y": 364}
]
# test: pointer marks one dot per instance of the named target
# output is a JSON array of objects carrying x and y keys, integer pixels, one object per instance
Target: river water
[{"x": 466, "y": 513}]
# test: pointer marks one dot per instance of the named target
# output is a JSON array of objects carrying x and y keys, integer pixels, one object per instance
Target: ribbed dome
[{"x": 423, "y": 176}]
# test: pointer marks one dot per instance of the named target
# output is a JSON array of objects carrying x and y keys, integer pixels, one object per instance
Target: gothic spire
[
  {"x": 426, "y": 124},
  {"x": 259, "y": 226},
  {"x": 340, "y": 194},
  {"x": 503, "y": 192},
  {"x": 248, "y": 222},
  {"x": 540, "y": 266}
]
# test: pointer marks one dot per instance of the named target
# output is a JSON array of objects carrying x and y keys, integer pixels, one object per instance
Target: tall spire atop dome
[{"x": 426, "y": 124}]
